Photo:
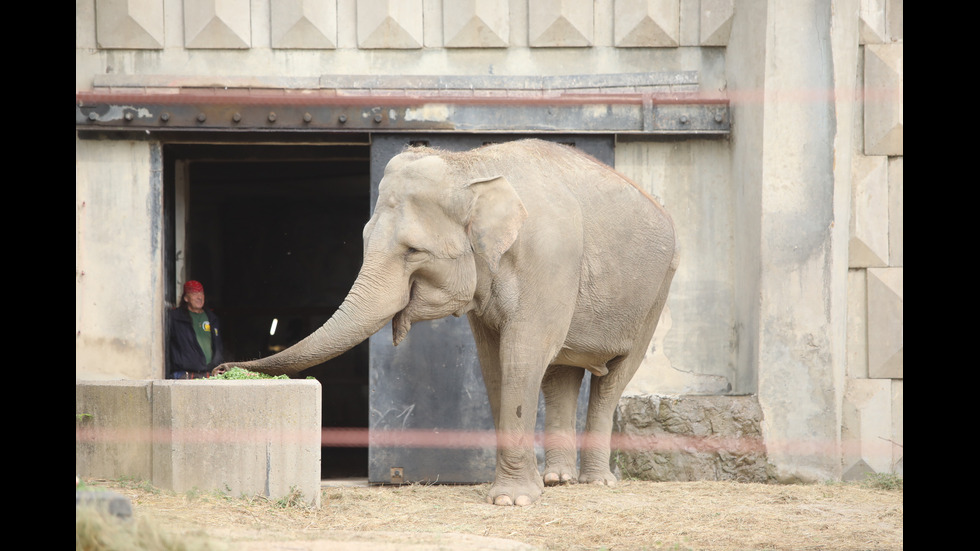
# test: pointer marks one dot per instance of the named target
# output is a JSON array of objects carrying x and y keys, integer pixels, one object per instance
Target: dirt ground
[{"x": 632, "y": 515}]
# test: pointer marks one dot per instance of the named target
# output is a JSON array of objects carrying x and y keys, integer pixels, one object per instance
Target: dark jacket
[{"x": 183, "y": 352}]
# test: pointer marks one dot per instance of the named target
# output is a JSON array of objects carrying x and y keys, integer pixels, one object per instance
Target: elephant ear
[{"x": 496, "y": 217}]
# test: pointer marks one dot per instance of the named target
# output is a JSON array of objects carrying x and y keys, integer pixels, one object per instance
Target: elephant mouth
[
  {"x": 400, "y": 325},
  {"x": 421, "y": 308},
  {"x": 402, "y": 322}
]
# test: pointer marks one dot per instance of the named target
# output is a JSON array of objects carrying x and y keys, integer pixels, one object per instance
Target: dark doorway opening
[{"x": 274, "y": 234}]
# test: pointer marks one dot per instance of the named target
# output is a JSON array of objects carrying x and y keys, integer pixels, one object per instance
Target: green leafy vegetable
[{"x": 238, "y": 373}]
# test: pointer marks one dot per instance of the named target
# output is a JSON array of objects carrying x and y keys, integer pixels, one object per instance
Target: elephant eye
[{"x": 414, "y": 254}]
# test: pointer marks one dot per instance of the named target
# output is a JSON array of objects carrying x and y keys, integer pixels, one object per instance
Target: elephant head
[{"x": 436, "y": 227}]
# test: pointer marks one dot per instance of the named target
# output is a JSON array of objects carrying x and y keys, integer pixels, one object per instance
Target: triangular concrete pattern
[
  {"x": 217, "y": 34},
  {"x": 561, "y": 32},
  {"x": 390, "y": 34},
  {"x": 476, "y": 33}
]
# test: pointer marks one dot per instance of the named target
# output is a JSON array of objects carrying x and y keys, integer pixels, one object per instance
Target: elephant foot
[
  {"x": 601, "y": 478},
  {"x": 514, "y": 495},
  {"x": 560, "y": 464},
  {"x": 521, "y": 501},
  {"x": 558, "y": 477}
]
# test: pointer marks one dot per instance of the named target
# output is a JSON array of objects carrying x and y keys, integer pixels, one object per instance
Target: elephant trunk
[{"x": 361, "y": 315}]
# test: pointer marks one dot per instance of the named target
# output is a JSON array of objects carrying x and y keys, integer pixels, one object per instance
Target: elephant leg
[
  {"x": 604, "y": 395},
  {"x": 561, "y": 386},
  {"x": 517, "y": 480},
  {"x": 488, "y": 352},
  {"x": 523, "y": 361},
  {"x": 606, "y": 391}
]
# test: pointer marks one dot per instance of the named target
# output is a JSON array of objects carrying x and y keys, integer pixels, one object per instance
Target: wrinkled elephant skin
[{"x": 561, "y": 265}]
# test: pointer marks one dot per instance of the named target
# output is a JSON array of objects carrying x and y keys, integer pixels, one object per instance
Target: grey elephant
[{"x": 561, "y": 265}]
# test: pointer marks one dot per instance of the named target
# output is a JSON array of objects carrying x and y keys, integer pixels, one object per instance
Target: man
[{"x": 194, "y": 346}]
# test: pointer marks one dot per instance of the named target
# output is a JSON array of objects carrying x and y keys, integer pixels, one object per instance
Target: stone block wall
[
  {"x": 685, "y": 438},
  {"x": 872, "y": 417}
]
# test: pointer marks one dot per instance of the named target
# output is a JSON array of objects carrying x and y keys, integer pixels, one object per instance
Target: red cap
[{"x": 193, "y": 287}]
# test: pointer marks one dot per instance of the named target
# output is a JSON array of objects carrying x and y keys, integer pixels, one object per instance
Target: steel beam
[{"x": 438, "y": 111}]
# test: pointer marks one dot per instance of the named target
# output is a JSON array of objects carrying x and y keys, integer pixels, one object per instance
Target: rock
[
  {"x": 682, "y": 438},
  {"x": 110, "y": 502}
]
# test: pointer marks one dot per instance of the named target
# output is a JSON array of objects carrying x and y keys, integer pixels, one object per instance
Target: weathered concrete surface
[
  {"x": 680, "y": 438},
  {"x": 119, "y": 298},
  {"x": 113, "y": 429},
  {"x": 238, "y": 437},
  {"x": 792, "y": 213}
]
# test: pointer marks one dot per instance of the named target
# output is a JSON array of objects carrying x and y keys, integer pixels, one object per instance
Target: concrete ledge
[
  {"x": 238, "y": 437},
  {"x": 113, "y": 429},
  {"x": 681, "y": 438}
]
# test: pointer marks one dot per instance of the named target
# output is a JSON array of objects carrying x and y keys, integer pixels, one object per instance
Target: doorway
[{"x": 274, "y": 234}]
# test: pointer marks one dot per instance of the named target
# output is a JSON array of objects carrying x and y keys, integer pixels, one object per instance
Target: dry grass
[{"x": 632, "y": 515}]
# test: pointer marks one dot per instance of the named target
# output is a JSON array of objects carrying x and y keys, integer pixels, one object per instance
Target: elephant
[{"x": 560, "y": 264}]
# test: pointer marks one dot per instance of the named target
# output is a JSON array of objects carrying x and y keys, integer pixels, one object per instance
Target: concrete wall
[
  {"x": 791, "y": 283},
  {"x": 793, "y": 255},
  {"x": 237, "y": 437},
  {"x": 816, "y": 305},
  {"x": 114, "y": 429},
  {"x": 119, "y": 311},
  {"x": 253, "y": 42},
  {"x": 872, "y": 425},
  {"x": 692, "y": 179}
]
